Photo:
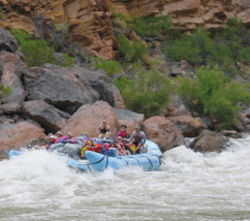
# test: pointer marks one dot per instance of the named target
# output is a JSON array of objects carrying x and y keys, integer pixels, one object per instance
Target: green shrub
[
  {"x": 144, "y": 26},
  {"x": 235, "y": 36},
  {"x": 146, "y": 92},
  {"x": 133, "y": 68},
  {"x": 150, "y": 26},
  {"x": 20, "y": 35},
  {"x": 68, "y": 60},
  {"x": 195, "y": 48},
  {"x": 120, "y": 20},
  {"x": 109, "y": 66},
  {"x": 224, "y": 47},
  {"x": 131, "y": 50},
  {"x": 213, "y": 94},
  {"x": 37, "y": 52},
  {"x": 124, "y": 47}
]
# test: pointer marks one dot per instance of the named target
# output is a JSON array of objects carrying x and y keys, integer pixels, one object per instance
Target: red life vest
[
  {"x": 97, "y": 148},
  {"x": 122, "y": 133}
]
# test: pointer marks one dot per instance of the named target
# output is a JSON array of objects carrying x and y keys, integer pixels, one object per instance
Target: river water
[{"x": 189, "y": 186}]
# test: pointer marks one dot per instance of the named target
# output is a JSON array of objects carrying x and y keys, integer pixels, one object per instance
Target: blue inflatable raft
[{"x": 150, "y": 160}]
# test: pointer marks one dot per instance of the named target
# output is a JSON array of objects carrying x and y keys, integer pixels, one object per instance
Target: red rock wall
[{"x": 90, "y": 22}]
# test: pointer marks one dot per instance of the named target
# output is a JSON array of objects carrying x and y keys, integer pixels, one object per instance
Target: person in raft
[
  {"x": 59, "y": 137},
  {"x": 88, "y": 145},
  {"x": 104, "y": 130},
  {"x": 123, "y": 132},
  {"x": 137, "y": 140},
  {"x": 51, "y": 139},
  {"x": 120, "y": 146}
]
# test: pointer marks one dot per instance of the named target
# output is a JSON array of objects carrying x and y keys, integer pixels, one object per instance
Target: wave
[{"x": 189, "y": 186}]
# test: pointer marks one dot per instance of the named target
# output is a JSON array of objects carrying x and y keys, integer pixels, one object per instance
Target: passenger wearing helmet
[
  {"x": 87, "y": 146},
  {"x": 138, "y": 138}
]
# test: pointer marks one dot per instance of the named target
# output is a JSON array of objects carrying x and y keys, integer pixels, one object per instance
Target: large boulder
[
  {"x": 209, "y": 141},
  {"x": 102, "y": 84},
  {"x": 7, "y": 41},
  {"x": 59, "y": 86},
  {"x": 189, "y": 126},
  {"x": 12, "y": 67},
  {"x": 88, "y": 118},
  {"x": 109, "y": 92},
  {"x": 47, "y": 115},
  {"x": 129, "y": 118},
  {"x": 14, "y": 136},
  {"x": 163, "y": 132}
]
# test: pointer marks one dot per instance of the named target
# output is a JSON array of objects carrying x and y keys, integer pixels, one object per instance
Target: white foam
[{"x": 189, "y": 186}]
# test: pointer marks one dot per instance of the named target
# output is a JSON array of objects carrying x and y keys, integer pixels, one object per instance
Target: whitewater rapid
[{"x": 189, "y": 186}]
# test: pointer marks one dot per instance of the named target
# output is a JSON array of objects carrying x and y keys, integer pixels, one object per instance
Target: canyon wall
[{"x": 90, "y": 23}]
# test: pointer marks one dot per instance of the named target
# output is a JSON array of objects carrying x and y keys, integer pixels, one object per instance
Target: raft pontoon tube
[{"x": 98, "y": 162}]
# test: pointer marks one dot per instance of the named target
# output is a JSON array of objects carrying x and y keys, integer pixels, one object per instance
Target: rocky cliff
[{"x": 90, "y": 21}]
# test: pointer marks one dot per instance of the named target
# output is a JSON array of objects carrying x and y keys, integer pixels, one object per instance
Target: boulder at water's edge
[
  {"x": 163, "y": 132},
  {"x": 88, "y": 118},
  {"x": 209, "y": 141},
  {"x": 14, "y": 136}
]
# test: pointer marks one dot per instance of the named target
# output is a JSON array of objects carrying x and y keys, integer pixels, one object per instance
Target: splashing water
[{"x": 189, "y": 186}]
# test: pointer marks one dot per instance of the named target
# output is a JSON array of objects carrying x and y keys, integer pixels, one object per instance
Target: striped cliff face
[
  {"x": 89, "y": 21},
  {"x": 188, "y": 14}
]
